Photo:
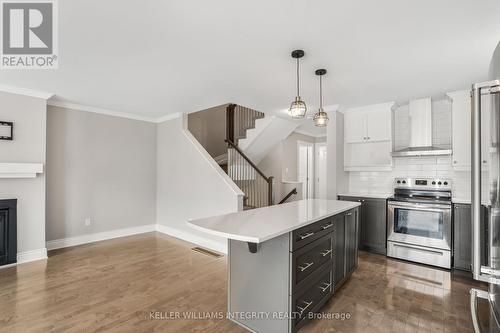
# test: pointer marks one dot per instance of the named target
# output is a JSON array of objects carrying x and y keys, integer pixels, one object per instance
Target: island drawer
[
  {"x": 310, "y": 258},
  {"x": 310, "y": 233},
  {"x": 312, "y": 299}
]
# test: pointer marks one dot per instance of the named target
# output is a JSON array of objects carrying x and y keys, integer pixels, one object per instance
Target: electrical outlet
[{"x": 88, "y": 222}]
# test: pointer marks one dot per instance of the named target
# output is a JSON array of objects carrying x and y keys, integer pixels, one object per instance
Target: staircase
[{"x": 257, "y": 186}]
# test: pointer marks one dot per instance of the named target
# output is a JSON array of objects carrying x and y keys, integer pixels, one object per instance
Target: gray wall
[
  {"x": 209, "y": 128},
  {"x": 101, "y": 167},
  {"x": 281, "y": 161},
  {"x": 495, "y": 64},
  {"x": 28, "y": 146}
]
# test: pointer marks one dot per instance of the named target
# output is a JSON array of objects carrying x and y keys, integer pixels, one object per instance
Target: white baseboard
[
  {"x": 188, "y": 237},
  {"x": 28, "y": 256},
  {"x": 99, "y": 236}
]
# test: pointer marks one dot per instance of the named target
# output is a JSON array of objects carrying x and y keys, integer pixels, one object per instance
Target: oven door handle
[{"x": 417, "y": 206}]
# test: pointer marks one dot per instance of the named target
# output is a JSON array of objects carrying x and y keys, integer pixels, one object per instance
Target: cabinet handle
[
  {"x": 455, "y": 162},
  {"x": 484, "y": 161},
  {"x": 327, "y": 226},
  {"x": 309, "y": 234},
  {"x": 302, "y": 309},
  {"x": 306, "y": 266},
  {"x": 327, "y": 252},
  {"x": 348, "y": 214},
  {"x": 326, "y": 287}
]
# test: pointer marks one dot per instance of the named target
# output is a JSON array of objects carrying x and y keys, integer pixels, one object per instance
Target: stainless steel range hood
[{"x": 420, "y": 141}]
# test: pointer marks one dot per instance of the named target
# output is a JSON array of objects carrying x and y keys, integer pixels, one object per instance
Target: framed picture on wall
[{"x": 6, "y": 130}]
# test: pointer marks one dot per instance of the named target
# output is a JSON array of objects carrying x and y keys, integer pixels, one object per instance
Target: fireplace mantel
[{"x": 20, "y": 170}]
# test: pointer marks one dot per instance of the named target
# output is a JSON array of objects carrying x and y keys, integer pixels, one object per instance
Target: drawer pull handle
[
  {"x": 327, "y": 252},
  {"x": 309, "y": 234},
  {"x": 348, "y": 214},
  {"x": 302, "y": 309},
  {"x": 327, "y": 226},
  {"x": 306, "y": 266},
  {"x": 326, "y": 286}
]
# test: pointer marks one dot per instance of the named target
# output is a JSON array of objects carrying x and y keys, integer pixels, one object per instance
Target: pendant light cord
[
  {"x": 320, "y": 93},
  {"x": 298, "y": 78}
]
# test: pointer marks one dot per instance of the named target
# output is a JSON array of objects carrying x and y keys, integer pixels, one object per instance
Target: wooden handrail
[
  {"x": 292, "y": 192},
  {"x": 268, "y": 179},
  {"x": 244, "y": 120}
]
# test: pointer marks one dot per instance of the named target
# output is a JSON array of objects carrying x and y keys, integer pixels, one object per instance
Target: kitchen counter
[
  {"x": 260, "y": 225},
  {"x": 286, "y": 261},
  {"x": 376, "y": 195}
]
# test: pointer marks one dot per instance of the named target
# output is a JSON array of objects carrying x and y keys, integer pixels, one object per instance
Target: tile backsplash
[{"x": 425, "y": 167}]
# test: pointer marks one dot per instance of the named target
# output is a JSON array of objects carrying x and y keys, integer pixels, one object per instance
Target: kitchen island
[{"x": 286, "y": 261}]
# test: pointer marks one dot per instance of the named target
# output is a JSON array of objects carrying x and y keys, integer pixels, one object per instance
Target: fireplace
[{"x": 8, "y": 232}]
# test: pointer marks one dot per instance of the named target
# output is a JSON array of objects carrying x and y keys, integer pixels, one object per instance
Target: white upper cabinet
[
  {"x": 368, "y": 123},
  {"x": 355, "y": 126},
  {"x": 378, "y": 123},
  {"x": 461, "y": 130},
  {"x": 368, "y": 137}
]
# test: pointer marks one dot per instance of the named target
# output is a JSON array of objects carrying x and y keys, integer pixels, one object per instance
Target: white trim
[
  {"x": 33, "y": 255},
  {"x": 93, "y": 109},
  {"x": 168, "y": 117},
  {"x": 99, "y": 236},
  {"x": 26, "y": 92},
  {"x": 20, "y": 170},
  {"x": 188, "y": 237},
  {"x": 299, "y": 131}
]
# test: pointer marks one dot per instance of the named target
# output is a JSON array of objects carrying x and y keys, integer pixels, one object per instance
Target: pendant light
[
  {"x": 320, "y": 118},
  {"x": 298, "y": 107}
]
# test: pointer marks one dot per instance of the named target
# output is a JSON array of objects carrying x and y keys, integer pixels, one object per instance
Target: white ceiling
[{"x": 154, "y": 58}]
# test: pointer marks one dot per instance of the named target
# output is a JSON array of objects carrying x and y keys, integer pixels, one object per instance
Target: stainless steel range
[{"x": 419, "y": 221}]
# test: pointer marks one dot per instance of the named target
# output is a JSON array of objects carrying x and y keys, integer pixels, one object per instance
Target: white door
[
  {"x": 305, "y": 168},
  {"x": 320, "y": 162}
]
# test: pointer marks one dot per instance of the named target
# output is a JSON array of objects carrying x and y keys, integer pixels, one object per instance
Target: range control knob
[
  {"x": 439, "y": 183},
  {"x": 445, "y": 183},
  {"x": 404, "y": 181},
  {"x": 399, "y": 182},
  {"x": 433, "y": 183}
]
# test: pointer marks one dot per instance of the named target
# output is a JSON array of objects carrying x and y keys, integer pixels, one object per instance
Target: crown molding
[
  {"x": 168, "y": 117},
  {"x": 25, "y": 92},
  {"x": 299, "y": 131},
  {"x": 93, "y": 109}
]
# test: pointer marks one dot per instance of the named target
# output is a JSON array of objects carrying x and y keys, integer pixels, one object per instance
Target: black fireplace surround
[{"x": 8, "y": 232}]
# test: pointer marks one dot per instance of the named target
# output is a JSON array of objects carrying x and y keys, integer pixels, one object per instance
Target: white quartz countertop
[
  {"x": 376, "y": 195},
  {"x": 261, "y": 224}
]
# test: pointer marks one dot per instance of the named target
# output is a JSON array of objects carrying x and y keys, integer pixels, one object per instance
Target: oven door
[{"x": 420, "y": 224}]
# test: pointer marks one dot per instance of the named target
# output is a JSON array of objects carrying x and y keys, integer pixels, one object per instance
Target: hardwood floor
[{"x": 119, "y": 285}]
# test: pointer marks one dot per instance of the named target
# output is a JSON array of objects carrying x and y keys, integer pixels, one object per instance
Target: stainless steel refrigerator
[{"x": 485, "y": 191}]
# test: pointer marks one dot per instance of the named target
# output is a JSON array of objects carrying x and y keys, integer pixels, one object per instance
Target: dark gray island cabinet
[{"x": 286, "y": 261}]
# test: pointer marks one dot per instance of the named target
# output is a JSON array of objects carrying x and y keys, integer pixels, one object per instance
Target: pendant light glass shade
[
  {"x": 320, "y": 118},
  {"x": 298, "y": 108}
]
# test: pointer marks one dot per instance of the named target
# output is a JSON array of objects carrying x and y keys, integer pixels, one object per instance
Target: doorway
[
  {"x": 305, "y": 168},
  {"x": 320, "y": 156}
]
